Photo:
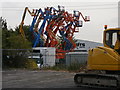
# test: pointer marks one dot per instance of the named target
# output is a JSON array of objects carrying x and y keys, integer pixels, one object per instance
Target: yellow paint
[{"x": 104, "y": 58}]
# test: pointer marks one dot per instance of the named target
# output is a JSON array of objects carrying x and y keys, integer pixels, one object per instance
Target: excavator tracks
[{"x": 97, "y": 80}]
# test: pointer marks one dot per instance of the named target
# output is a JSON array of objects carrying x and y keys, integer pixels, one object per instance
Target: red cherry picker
[{"x": 50, "y": 25}]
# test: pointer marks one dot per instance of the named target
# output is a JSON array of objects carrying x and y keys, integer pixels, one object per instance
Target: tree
[
  {"x": 28, "y": 34},
  {"x": 15, "y": 48},
  {"x": 17, "y": 42}
]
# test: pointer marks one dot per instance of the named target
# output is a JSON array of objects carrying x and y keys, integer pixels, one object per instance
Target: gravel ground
[{"x": 39, "y": 79}]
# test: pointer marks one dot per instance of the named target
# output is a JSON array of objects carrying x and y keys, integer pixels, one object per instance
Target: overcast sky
[{"x": 100, "y": 12}]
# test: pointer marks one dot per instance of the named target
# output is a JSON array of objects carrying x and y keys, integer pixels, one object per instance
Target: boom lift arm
[
  {"x": 49, "y": 24},
  {"x": 22, "y": 22}
]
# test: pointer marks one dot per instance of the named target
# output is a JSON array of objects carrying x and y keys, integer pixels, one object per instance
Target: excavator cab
[{"x": 112, "y": 39}]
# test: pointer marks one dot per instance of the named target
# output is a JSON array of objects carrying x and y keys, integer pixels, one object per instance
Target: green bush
[
  {"x": 31, "y": 64},
  {"x": 20, "y": 62}
]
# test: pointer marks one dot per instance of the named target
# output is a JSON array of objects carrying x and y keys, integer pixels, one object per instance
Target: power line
[
  {"x": 93, "y": 5},
  {"x": 68, "y": 9},
  {"x": 45, "y": 7},
  {"x": 69, "y": 6}
]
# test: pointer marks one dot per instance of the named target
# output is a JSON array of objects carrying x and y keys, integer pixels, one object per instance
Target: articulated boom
[{"x": 54, "y": 28}]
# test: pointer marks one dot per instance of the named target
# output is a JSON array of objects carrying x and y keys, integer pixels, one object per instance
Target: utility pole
[{"x": 119, "y": 14}]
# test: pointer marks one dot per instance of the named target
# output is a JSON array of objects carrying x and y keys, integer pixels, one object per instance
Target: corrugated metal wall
[{"x": 78, "y": 57}]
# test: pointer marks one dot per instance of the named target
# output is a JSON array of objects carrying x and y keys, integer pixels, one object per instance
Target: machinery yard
[{"x": 60, "y": 46}]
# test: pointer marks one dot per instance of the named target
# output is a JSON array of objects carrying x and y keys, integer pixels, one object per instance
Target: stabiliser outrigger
[{"x": 103, "y": 65}]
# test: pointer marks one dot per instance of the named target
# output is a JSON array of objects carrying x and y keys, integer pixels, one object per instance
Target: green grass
[
  {"x": 73, "y": 67},
  {"x": 57, "y": 67},
  {"x": 31, "y": 65}
]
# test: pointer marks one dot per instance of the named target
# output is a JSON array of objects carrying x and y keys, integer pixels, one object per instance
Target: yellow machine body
[{"x": 107, "y": 57}]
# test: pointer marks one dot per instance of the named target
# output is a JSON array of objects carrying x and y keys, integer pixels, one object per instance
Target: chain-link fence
[{"x": 43, "y": 57}]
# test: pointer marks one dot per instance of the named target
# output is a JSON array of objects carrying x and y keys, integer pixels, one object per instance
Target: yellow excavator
[{"x": 103, "y": 64}]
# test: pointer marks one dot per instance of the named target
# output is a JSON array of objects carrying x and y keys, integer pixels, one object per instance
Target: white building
[
  {"x": 84, "y": 45},
  {"x": 48, "y": 55}
]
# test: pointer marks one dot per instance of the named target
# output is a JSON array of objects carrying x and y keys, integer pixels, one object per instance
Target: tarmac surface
[{"x": 39, "y": 79}]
